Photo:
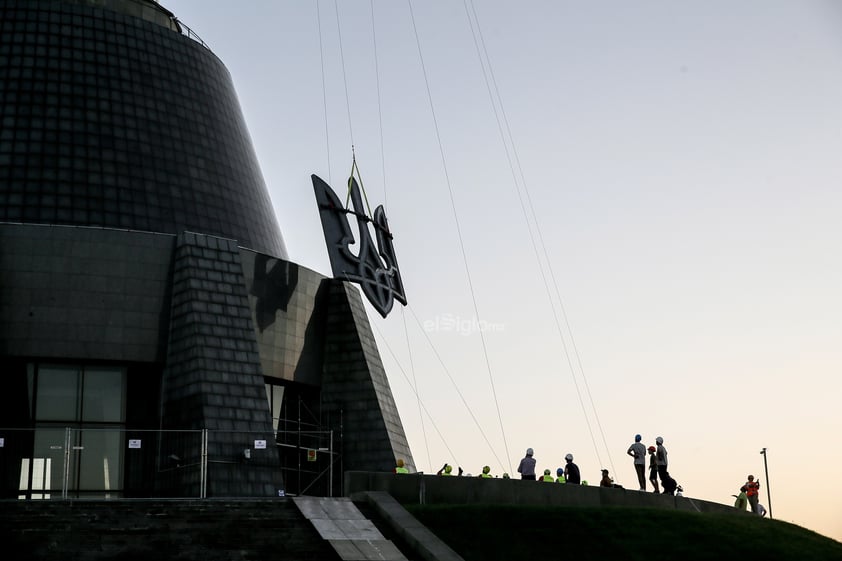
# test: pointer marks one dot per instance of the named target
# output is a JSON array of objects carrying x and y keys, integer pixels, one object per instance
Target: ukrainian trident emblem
[{"x": 374, "y": 267}]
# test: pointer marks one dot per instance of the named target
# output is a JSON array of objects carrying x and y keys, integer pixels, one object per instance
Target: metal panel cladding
[{"x": 113, "y": 121}]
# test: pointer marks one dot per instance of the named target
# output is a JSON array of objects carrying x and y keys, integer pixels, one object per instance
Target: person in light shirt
[{"x": 526, "y": 469}]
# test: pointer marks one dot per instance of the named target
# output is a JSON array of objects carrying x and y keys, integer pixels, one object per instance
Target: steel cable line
[
  {"x": 529, "y": 226},
  {"x": 420, "y": 403},
  {"x": 413, "y": 385},
  {"x": 417, "y": 392},
  {"x": 458, "y": 391},
  {"x": 379, "y": 106},
  {"x": 385, "y": 200},
  {"x": 452, "y": 381},
  {"x": 344, "y": 76},
  {"x": 458, "y": 229},
  {"x": 474, "y": 19},
  {"x": 324, "y": 88}
]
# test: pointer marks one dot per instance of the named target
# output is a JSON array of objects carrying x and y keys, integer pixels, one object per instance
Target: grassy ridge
[{"x": 513, "y": 533}]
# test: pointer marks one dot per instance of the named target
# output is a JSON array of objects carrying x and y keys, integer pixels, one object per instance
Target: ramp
[{"x": 352, "y": 535}]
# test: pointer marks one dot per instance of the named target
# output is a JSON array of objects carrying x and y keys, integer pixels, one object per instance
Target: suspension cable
[
  {"x": 344, "y": 77},
  {"x": 324, "y": 88},
  {"x": 379, "y": 107},
  {"x": 417, "y": 395},
  {"x": 458, "y": 391},
  {"x": 473, "y": 18},
  {"x": 415, "y": 385},
  {"x": 459, "y": 231}
]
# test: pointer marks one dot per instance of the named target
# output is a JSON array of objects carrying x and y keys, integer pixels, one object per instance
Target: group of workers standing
[
  {"x": 569, "y": 474},
  {"x": 658, "y": 470},
  {"x": 658, "y": 464}
]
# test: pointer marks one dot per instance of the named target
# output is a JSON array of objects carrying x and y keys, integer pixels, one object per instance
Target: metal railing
[
  {"x": 187, "y": 32},
  {"x": 54, "y": 463}
]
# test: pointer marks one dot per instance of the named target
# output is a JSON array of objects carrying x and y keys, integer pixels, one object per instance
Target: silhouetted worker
[
  {"x": 447, "y": 469},
  {"x": 753, "y": 492},
  {"x": 606, "y": 481},
  {"x": 486, "y": 472},
  {"x": 653, "y": 469},
  {"x": 668, "y": 484},
  {"x": 547, "y": 476},
  {"x": 638, "y": 452},
  {"x": 400, "y": 468},
  {"x": 571, "y": 471},
  {"x": 742, "y": 501},
  {"x": 526, "y": 469}
]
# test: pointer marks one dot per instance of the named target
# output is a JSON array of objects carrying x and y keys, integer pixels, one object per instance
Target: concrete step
[{"x": 160, "y": 530}]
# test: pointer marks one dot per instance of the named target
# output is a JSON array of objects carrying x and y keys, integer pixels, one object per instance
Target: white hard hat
[
  {"x": 529, "y": 451},
  {"x": 659, "y": 440},
  {"x": 569, "y": 457}
]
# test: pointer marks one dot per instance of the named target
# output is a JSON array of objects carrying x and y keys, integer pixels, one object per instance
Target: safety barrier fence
[{"x": 55, "y": 463}]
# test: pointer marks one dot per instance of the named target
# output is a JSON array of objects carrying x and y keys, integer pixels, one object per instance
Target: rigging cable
[
  {"x": 397, "y": 362},
  {"x": 324, "y": 88},
  {"x": 458, "y": 391},
  {"x": 459, "y": 231},
  {"x": 379, "y": 106},
  {"x": 415, "y": 388},
  {"x": 483, "y": 63},
  {"x": 385, "y": 201},
  {"x": 344, "y": 77},
  {"x": 538, "y": 230}
]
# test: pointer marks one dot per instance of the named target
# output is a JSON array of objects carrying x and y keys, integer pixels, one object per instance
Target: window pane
[
  {"x": 30, "y": 386},
  {"x": 277, "y": 401},
  {"x": 58, "y": 393},
  {"x": 103, "y": 395},
  {"x": 100, "y": 467},
  {"x": 47, "y": 462}
]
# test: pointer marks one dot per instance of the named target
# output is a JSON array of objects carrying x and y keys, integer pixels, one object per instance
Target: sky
[{"x": 611, "y": 217}]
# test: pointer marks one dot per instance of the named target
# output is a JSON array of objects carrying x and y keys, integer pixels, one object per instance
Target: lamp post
[{"x": 768, "y": 493}]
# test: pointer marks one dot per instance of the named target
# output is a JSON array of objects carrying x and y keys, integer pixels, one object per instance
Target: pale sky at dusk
[{"x": 681, "y": 165}]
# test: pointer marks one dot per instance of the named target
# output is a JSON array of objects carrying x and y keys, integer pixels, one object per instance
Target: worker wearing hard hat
[
  {"x": 560, "y": 476},
  {"x": 400, "y": 467},
  {"x": 486, "y": 472},
  {"x": 547, "y": 476},
  {"x": 571, "y": 471},
  {"x": 526, "y": 469},
  {"x": 447, "y": 469},
  {"x": 752, "y": 492},
  {"x": 638, "y": 452}
]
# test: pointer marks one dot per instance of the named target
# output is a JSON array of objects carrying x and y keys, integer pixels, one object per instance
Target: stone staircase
[{"x": 159, "y": 530}]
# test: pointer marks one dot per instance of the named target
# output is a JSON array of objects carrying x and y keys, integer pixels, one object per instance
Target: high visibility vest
[
  {"x": 547, "y": 478},
  {"x": 752, "y": 488},
  {"x": 486, "y": 475},
  {"x": 561, "y": 479},
  {"x": 401, "y": 470}
]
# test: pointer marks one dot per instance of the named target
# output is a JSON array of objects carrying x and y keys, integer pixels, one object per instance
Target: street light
[{"x": 768, "y": 493}]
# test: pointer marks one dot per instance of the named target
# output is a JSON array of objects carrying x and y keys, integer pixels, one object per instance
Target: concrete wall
[{"x": 432, "y": 489}]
